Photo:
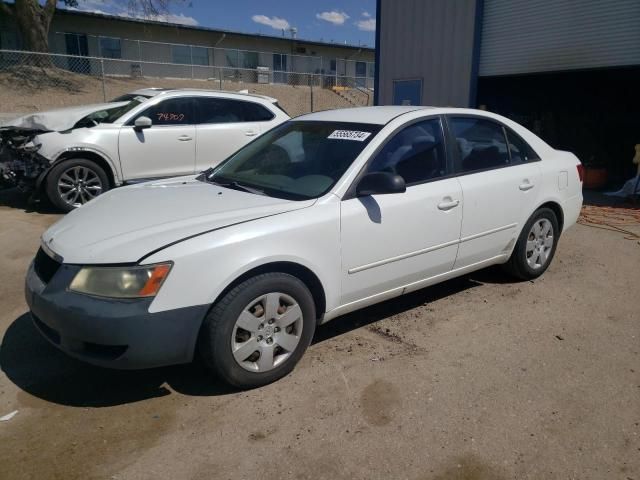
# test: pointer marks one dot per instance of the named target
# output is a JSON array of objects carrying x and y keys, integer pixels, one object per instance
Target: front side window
[
  {"x": 416, "y": 153},
  {"x": 173, "y": 111},
  {"x": 224, "y": 110},
  {"x": 296, "y": 160},
  {"x": 481, "y": 144}
]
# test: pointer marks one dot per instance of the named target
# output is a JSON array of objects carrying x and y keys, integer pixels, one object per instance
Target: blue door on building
[{"x": 407, "y": 92}]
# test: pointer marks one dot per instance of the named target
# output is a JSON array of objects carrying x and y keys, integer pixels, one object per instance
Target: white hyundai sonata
[{"x": 320, "y": 216}]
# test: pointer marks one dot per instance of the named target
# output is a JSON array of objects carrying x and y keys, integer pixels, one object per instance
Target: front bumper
[{"x": 110, "y": 332}]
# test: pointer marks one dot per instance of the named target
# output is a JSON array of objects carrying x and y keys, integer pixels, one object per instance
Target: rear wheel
[
  {"x": 72, "y": 183},
  {"x": 536, "y": 246},
  {"x": 259, "y": 330}
]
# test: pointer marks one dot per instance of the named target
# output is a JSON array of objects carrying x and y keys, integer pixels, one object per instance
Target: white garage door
[{"x": 523, "y": 36}]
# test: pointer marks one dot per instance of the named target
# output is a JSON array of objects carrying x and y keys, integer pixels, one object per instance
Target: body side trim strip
[{"x": 428, "y": 250}]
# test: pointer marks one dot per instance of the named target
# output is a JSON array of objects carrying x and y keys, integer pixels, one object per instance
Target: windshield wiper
[{"x": 237, "y": 186}]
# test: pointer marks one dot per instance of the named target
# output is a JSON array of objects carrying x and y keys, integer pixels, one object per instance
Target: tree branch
[{"x": 48, "y": 10}]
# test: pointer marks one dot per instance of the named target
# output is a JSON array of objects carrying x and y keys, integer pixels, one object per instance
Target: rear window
[{"x": 224, "y": 110}]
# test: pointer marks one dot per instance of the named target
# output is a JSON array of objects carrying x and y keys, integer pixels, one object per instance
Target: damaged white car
[{"x": 72, "y": 155}]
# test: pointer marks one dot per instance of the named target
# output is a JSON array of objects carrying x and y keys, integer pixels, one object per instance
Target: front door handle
[
  {"x": 251, "y": 133},
  {"x": 448, "y": 204},
  {"x": 185, "y": 138},
  {"x": 526, "y": 186}
]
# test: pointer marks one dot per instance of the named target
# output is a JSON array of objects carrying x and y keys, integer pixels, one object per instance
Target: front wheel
[
  {"x": 536, "y": 246},
  {"x": 72, "y": 183},
  {"x": 259, "y": 330}
]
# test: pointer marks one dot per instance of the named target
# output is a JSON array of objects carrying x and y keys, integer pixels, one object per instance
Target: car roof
[
  {"x": 376, "y": 115},
  {"x": 221, "y": 93},
  {"x": 381, "y": 115}
]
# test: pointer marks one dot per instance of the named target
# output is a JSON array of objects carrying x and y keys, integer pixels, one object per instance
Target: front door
[
  {"x": 166, "y": 149},
  {"x": 500, "y": 187},
  {"x": 390, "y": 241}
]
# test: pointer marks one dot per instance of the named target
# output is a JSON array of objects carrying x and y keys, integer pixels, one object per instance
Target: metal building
[{"x": 567, "y": 69}]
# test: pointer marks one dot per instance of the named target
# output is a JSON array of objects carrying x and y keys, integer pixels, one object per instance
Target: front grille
[{"x": 45, "y": 266}]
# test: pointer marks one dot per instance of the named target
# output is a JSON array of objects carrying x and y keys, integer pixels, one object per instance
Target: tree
[{"x": 33, "y": 18}]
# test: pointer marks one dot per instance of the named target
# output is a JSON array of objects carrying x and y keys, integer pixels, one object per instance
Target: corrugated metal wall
[
  {"x": 526, "y": 36},
  {"x": 431, "y": 40}
]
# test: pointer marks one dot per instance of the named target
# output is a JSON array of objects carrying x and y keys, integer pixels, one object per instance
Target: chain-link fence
[
  {"x": 204, "y": 56},
  {"x": 35, "y": 81}
]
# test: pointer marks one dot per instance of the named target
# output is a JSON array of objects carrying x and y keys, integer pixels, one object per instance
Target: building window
[
  {"x": 232, "y": 58},
  {"x": 407, "y": 92},
  {"x": 250, "y": 60},
  {"x": 110, "y": 47},
  {"x": 181, "y": 54},
  {"x": 200, "y": 55}
]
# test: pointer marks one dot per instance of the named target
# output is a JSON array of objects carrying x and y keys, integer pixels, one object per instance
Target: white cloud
[
  {"x": 368, "y": 25},
  {"x": 273, "y": 22},
  {"x": 337, "y": 18},
  {"x": 366, "y": 14}
]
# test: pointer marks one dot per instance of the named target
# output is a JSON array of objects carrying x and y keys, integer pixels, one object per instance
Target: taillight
[{"x": 580, "y": 168}]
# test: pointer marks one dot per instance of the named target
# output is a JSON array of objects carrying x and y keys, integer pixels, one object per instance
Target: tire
[
  {"x": 241, "y": 357},
  {"x": 72, "y": 183},
  {"x": 525, "y": 264}
]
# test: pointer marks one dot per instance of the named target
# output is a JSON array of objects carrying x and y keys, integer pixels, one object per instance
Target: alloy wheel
[
  {"x": 78, "y": 184},
  {"x": 539, "y": 243}
]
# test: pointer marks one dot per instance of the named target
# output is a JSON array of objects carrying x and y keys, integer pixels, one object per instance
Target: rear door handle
[
  {"x": 526, "y": 186},
  {"x": 448, "y": 204},
  {"x": 185, "y": 138},
  {"x": 251, "y": 133}
]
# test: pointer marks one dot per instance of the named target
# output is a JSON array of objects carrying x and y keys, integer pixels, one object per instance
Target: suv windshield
[
  {"x": 296, "y": 160},
  {"x": 108, "y": 115}
]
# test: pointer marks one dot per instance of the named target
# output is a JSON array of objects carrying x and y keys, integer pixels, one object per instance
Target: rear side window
[
  {"x": 520, "y": 150},
  {"x": 481, "y": 144},
  {"x": 222, "y": 110},
  {"x": 173, "y": 111},
  {"x": 416, "y": 153}
]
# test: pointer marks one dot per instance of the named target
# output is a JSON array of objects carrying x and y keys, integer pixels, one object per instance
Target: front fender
[{"x": 205, "y": 265}]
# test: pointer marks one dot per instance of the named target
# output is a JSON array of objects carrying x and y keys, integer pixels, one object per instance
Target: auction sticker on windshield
[{"x": 349, "y": 135}]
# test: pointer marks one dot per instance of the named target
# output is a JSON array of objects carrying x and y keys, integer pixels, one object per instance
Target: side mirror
[
  {"x": 141, "y": 123},
  {"x": 378, "y": 183}
]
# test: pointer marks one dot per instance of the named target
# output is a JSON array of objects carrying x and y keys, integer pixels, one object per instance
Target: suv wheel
[
  {"x": 259, "y": 330},
  {"x": 72, "y": 183}
]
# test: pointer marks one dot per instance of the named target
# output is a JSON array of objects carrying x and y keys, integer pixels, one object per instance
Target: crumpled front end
[{"x": 20, "y": 163}]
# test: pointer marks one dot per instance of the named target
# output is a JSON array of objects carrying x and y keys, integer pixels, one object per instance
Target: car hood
[
  {"x": 126, "y": 224},
  {"x": 58, "y": 120}
]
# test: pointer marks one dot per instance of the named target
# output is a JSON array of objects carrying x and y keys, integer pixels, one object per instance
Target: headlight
[{"x": 121, "y": 282}]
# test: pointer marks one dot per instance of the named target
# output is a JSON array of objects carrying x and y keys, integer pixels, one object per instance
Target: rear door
[
  {"x": 164, "y": 150},
  {"x": 500, "y": 185},
  {"x": 389, "y": 241},
  {"x": 225, "y": 125}
]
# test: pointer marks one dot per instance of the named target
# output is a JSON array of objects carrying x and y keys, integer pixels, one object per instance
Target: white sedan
[
  {"x": 78, "y": 153},
  {"x": 322, "y": 215}
]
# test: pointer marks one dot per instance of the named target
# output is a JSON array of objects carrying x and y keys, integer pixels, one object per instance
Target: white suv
[{"x": 175, "y": 132}]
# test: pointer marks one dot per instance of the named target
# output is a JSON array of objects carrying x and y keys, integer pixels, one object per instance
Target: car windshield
[
  {"x": 297, "y": 160},
  {"x": 109, "y": 115},
  {"x": 128, "y": 96}
]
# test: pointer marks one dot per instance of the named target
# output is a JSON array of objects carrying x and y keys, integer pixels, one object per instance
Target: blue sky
[{"x": 340, "y": 21}]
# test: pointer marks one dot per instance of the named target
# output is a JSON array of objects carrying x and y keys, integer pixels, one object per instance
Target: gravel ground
[{"x": 477, "y": 378}]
